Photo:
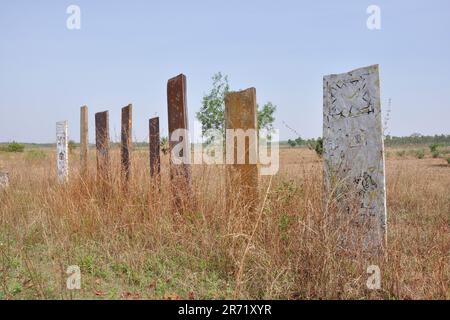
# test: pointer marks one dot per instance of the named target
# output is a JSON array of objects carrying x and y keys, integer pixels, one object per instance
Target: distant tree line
[
  {"x": 312, "y": 144},
  {"x": 417, "y": 138}
]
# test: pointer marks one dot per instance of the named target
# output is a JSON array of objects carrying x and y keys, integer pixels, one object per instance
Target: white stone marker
[
  {"x": 4, "y": 180},
  {"x": 62, "y": 160},
  {"x": 354, "y": 148}
]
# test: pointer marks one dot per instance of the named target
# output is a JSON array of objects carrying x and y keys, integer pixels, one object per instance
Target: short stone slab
[{"x": 4, "y": 180}]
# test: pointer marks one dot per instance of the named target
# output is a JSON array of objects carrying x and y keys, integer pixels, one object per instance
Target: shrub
[
  {"x": 434, "y": 147},
  {"x": 435, "y": 153},
  {"x": 420, "y": 154},
  {"x": 317, "y": 146},
  {"x": 14, "y": 147},
  {"x": 291, "y": 143},
  {"x": 448, "y": 160},
  {"x": 401, "y": 153}
]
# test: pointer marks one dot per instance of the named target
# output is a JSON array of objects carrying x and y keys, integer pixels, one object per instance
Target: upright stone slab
[
  {"x": 154, "y": 145},
  {"x": 354, "y": 148},
  {"x": 4, "y": 180},
  {"x": 84, "y": 141},
  {"x": 102, "y": 145},
  {"x": 127, "y": 142},
  {"x": 180, "y": 173},
  {"x": 242, "y": 147},
  {"x": 62, "y": 151}
]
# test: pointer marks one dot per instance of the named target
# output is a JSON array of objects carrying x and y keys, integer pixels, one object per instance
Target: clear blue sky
[{"x": 126, "y": 51}]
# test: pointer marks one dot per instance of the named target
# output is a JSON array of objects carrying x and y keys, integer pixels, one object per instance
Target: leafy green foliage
[
  {"x": 164, "y": 144},
  {"x": 266, "y": 116},
  {"x": 212, "y": 112},
  {"x": 13, "y": 147},
  {"x": 420, "y": 154},
  {"x": 433, "y": 147},
  {"x": 292, "y": 143},
  {"x": 316, "y": 145},
  {"x": 299, "y": 141}
]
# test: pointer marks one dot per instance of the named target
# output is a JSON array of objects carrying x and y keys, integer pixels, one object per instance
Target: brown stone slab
[
  {"x": 155, "y": 161},
  {"x": 178, "y": 119},
  {"x": 242, "y": 179},
  {"x": 127, "y": 143},
  {"x": 84, "y": 141},
  {"x": 102, "y": 145}
]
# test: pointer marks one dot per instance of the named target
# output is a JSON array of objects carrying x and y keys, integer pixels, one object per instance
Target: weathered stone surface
[
  {"x": 127, "y": 143},
  {"x": 354, "y": 149},
  {"x": 84, "y": 141},
  {"x": 178, "y": 119},
  {"x": 102, "y": 145},
  {"x": 242, "y": 175},
  {"x": 154, "y": 145},
  {"x": 4, "y": 180},
  {"x": 62, "y": 151}
]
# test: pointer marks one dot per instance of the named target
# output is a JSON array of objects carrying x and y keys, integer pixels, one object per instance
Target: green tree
[
  {"x": 299, "y": 141},
  {"x": 211, "y": 114},
  {"x": 266, "y": 116},
  {"x": 291, "y": 143},
  {"x": 316, "y": 145}
]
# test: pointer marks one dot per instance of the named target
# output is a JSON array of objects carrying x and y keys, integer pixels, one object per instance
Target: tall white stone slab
[
  {"x": 62, "y": 151},
  {"x": 354, "y": 148}
]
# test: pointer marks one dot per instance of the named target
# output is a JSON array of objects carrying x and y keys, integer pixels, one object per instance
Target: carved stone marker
[
  {"x": 102, "y": 145},
  {"x": 354, "y": 148},
  {"x": 127, "y": 143},
  {"x": 180, "y": 173},
  {"x": 4, "y": 180},
  {"x": 155, "y": 161},
  {"x": 242, "y": 155},
  {"x": 62, "y": 151},
  {"x": 84, "y": 141}
]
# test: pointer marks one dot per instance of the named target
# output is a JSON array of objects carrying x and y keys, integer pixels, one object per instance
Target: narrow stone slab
[
  {"x": 242, "y": 146},
  {"x": 84, "y": 141},
  {"x": 180, "y": 173},
  {"x": 62, "y": 151},
  {"x": 127, "y": 143},
  {"x": 4, "y": 180},
  {"x": 354, "y": 148},
  {"x": 102, "y": 145},
  {"x": 154, "y": 146}
]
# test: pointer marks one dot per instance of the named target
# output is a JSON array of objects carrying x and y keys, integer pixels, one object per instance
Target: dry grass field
[{"x": 134, "y": 247}]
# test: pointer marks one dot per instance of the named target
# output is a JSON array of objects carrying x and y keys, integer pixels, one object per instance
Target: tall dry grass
[{"x": 133, "y": 245}]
